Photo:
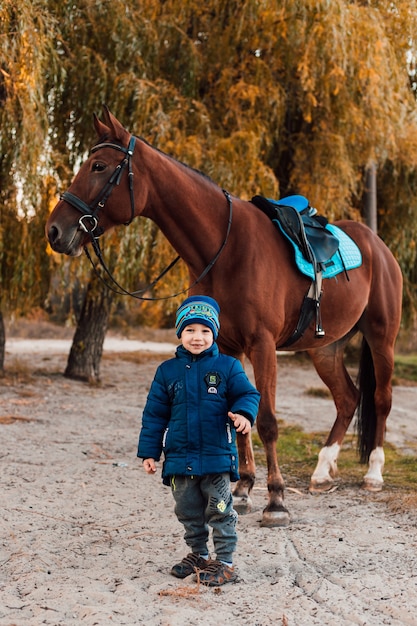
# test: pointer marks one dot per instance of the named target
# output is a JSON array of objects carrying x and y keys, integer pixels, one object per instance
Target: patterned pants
[{"x": 203, "y": 501}]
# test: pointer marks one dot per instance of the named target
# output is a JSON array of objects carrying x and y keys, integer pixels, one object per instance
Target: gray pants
[{"x": 203, "y": 501}]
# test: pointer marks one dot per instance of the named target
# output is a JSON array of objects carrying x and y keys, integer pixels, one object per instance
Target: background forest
[{"x": 267, "y": 97}]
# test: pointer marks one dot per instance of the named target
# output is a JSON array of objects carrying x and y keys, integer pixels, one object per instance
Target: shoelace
[
  {"x": 191, "y": 559},
  {"x": 214, "y": 567}
]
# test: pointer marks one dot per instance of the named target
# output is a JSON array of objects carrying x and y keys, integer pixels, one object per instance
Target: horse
[{"x": 236, "y": 255}]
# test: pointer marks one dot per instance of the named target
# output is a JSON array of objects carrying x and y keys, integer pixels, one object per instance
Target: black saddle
[{"x": 297, "y": 220}]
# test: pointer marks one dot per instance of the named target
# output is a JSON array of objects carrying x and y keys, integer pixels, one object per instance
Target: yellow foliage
[{"x": 265, "y": 97}]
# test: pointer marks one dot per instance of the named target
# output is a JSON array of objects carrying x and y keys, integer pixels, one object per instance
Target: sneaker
[
  {"x": 216, "y": 573},
  {"x": 189, "y": 565}
]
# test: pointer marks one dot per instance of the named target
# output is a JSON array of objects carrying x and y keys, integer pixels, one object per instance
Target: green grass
[
  {"x": 405, "y": 369},
  {"x": 405, "y": 366},
  {"x": 298, "y": 453}
]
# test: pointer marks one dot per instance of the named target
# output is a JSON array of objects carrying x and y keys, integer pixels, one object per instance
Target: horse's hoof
[
  {"x": 372, "y": 485},
  {"x": 242, "y": 504},
  {"x": 321, "y": 487},
  {"x": 272, "y": 519}
]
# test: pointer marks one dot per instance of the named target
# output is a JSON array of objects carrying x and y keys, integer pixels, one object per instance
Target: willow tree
[
  {"x": 312, "y": 91},
  {"x": 299, "y": 98},
  {"x": 98, "y": 45},
  {"x": 26, "y": 57},
  {"x": 265, "y": 99}
]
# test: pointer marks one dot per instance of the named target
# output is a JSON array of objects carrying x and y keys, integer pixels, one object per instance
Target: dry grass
[
  {"x": 139, "y": 357},
  {"x": 37, "y": 327},
  {"x": 10, "y": 419},
  {"x": 181, "y": 592},
  {"x": 318, "y": 392},
  {"x": 298, "y": 452},
  {"x": 400, "y": 501},
  {"x": 17, "y": 372}
]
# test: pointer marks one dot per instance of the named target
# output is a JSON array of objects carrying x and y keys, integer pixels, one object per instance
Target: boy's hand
[
  {"x": 241, "y": 423},
  {"x": 149, "y": 466}
]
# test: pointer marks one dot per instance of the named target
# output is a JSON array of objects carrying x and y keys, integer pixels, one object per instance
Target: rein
[{"x": 89, "y": 223}]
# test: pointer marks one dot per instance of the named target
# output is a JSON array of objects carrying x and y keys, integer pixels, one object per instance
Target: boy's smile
[{"x": 196, "y": 338}]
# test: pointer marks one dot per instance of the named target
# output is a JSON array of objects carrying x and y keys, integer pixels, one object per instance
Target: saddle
[
  {"x": 318, "y": 253},
  {"x": 301, "y": 224}
]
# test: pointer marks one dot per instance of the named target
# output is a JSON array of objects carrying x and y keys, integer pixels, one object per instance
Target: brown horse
[{"x": 253, "y": 277}]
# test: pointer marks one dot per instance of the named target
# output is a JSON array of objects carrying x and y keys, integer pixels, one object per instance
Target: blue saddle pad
[{"x": 347, "y": 257}]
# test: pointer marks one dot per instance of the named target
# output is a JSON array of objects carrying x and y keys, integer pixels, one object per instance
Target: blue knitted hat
[{"x": 198, "y": 310}]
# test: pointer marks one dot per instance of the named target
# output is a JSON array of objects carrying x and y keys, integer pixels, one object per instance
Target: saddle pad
[{"x": 348, "y": 251}]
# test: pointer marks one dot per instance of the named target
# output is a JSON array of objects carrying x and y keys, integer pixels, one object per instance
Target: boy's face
[{"x": 196, "y": 338}]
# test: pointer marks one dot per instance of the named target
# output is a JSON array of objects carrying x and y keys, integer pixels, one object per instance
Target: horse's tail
[{"x": 366, "y": 420}]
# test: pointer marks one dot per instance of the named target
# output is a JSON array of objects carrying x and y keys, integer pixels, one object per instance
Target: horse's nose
[{"x": 53, "y": 235}]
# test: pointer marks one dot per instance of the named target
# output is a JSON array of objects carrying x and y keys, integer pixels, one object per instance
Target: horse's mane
[{"x": 168, "y": 156}]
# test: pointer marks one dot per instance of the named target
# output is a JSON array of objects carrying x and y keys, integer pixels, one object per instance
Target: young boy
[{"x": 196, "y": 403}]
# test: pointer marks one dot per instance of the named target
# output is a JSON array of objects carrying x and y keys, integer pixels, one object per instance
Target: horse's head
[{"x": 88, "y": 208}]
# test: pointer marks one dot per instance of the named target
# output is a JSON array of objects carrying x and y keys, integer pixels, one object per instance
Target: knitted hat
[{"x": 198, "y": 310}]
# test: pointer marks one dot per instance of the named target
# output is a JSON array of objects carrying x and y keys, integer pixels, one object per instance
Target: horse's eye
[{"x": 98, "y": 167}]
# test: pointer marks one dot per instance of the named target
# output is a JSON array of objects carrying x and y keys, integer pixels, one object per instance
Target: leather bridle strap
[
  {"x": 89, "y": 220},
  {"x": 118, "y": 289}
]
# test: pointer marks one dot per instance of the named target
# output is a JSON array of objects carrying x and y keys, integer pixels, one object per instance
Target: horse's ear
[
  {"x": 113, "y": 123},
  {"x": 106, "y": 114},
  {"x": 110, "y": 123},
  {"x": 101, "y": 129}
]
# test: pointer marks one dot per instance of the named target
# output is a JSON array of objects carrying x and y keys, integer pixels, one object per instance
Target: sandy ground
[{"x": 87, "y": 538}]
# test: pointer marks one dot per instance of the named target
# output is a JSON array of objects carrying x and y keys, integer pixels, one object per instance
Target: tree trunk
[
  {"x": 370, "y": 208},
  {"x": 87, "y": 345},
  {"x": 2, "y": 343}
]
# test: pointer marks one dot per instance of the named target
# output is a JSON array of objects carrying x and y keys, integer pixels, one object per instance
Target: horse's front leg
[
  {"x": 242, "y": 502},
  {"x": 264, "y": 361},
  {"x": 275, "y": 513}
]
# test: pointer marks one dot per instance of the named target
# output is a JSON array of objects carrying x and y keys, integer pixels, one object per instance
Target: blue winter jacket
[{"x": 185, "y": 415}]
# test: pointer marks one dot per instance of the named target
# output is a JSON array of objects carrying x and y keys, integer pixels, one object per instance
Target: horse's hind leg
[
  {"x": 329, "y": 364},
  {"x": 375, "y": 374}
]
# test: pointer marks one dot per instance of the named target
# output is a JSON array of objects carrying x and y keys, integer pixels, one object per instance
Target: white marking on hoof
[
  {"x": 326, "y": 468},
  {"x": 372, "y": 486},
  {"x": 373, "y": 480},
  {"x": 325, "y": 487}
]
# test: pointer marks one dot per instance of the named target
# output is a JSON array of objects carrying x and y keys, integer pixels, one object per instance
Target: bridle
[{"x": 88, "y": 222}]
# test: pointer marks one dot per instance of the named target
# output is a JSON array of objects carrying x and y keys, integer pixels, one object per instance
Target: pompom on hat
[{"x": 198, "y": 310}]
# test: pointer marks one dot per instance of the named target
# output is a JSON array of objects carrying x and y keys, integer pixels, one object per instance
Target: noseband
[{"x": 88, "y": 221}]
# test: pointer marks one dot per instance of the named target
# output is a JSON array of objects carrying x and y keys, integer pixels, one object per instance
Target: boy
[{"x": 196, "y": 403}]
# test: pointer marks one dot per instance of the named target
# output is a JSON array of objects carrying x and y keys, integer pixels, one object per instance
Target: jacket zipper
[{"x": 164, "y": 438}]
